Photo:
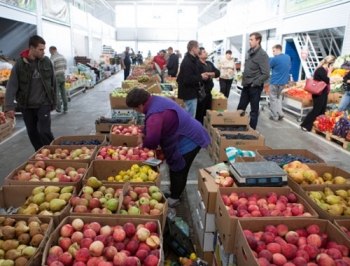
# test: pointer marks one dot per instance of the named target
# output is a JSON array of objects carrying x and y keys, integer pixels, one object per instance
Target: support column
[{"x": 39, "y": 21}]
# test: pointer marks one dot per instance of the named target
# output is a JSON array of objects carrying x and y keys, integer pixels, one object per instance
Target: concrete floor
[{"x": 86, "y": 107}]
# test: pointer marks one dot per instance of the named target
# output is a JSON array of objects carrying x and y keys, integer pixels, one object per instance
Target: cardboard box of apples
[
  {"x": 290, "y": 242},
  {"x": 124, "y": 153},
  {"x": 82, "y": 240},
  {"x": 233, "y": 204},
  {"x": 120, "y": 199},
  {"x": 136, "y": 172},
  {"x": 124, "y": 135}
]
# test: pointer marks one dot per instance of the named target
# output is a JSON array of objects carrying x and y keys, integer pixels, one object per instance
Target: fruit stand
[{"x": 75, "y": 85}]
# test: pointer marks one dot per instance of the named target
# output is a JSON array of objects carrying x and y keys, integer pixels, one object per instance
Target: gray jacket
[{"x": 256, "y": 68}]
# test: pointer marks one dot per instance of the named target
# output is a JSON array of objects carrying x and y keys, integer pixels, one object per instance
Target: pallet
[
  {"x": 340, "y": 141},
  {"x": 324, "y": 134}
]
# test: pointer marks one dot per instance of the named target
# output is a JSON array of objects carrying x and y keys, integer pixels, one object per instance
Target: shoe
[
  {"x": 166, "y": 195},
  {"x": 65, "y": 112},
  {"x": 58, "y": 111},
  {"x": 273, "y": 119},
  {"x": 304, "y": 129},
  {"x": 172, "y": 203},
  {"x": 280, "y": 117}
]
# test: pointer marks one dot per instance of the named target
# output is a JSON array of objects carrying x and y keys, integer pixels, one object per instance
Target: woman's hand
[{"x": 140, "y": 139}]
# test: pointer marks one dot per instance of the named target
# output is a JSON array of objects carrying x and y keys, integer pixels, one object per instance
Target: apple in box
[
  {"x": 123, "y": 153},
  {"x": 132, "y": 130}
]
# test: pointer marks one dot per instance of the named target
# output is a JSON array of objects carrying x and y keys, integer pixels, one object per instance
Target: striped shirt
[{"x": 59, "y": 63}]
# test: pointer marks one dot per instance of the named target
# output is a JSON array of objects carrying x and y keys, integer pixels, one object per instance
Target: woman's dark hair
[
  {"x": 136, "y": 97},
  {"x": 228, "y": 52}
]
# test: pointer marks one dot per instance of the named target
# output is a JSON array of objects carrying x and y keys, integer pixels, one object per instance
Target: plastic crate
[{"x": 177, "y": 240}]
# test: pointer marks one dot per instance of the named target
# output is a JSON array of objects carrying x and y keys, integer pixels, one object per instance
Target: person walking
[
  {"x": 189, "y": 78},
  {"x": 126, "y": 62},
  {"x": 345, "y": 100},
  {"x": 322, "y": 73},
  {"x": 256, "y": 72},
  {"x": 60, "y": 66},
  {"x": 173, "y": 129},
  {"x": 33, "y": 85},
  {"x": 172, "y": 63},
  {"x": 280, "y": 65},
  {"x": 228, "y": 72},
  {"x": 212, "y": 72}
]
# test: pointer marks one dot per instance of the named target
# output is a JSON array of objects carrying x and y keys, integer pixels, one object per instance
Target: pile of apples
[
  {"x": 142, "y": 200},
  {"x": 82, "y": 153},
  {"x": 302, "y": 174},
  {"x": 224, "y": 179},
  {"x": 136, "y": 173},
  {"x": 277, "y": 245},
  {"x": 345, "y": 230},
  {"x": 255, "y": 205},
  {"x": 132, "y": 130},
  {"x": 2, "y": 118},
  {"x": 123, "y": 153},
  {"x": 82, "y": 244},
  {"x": 39, "y": 171}
]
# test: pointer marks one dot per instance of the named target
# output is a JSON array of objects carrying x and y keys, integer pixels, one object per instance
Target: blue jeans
[
  {"x": 345, "y": 102},
  {"x": 251, "y": 95},
  {"x": 191, "y": 106}
]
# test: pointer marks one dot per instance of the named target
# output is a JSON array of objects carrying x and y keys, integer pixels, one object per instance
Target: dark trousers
[
  {"x": 225, "y": 86},
  {"x": 126, "y": 72},
  {"x": 203, "y": 106},
  {"x": 251, "y": 95},
  {"x": 38, "y": 124},
  {"x": 319, "y": 108},
  {"x": 178, "y": 179}
]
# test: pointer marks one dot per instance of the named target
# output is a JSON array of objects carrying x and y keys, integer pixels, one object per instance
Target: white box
[
  {"x": 208, "y": 219},
  {"x": 122, "y": 113},
  {"x": 206, "y": 239},
  {"x": 221, "y": 258}
]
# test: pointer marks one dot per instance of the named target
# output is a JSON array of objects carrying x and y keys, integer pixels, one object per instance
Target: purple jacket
[{"x": 167, "y": 132}]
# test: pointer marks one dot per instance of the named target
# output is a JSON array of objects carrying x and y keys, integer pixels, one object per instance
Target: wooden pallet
[
  {"x": 340, "y": 141},
  {"x": 324, "y": 134}
]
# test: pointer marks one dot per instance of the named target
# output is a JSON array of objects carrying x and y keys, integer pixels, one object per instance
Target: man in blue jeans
[
  {"x": 345, "y": 100},
  {"x": 256, "y": 72}
]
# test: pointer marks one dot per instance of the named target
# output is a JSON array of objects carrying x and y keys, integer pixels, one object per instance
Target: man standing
[
  {"x": 173, "y": 63},
  {"x": 206, "y": 67},
  {"x": 256, "y": 72},
  {"x": 32, "y": 84},
  {"x": 159, "y": 60},
  {"x": 126, "y": 62},
  {"x": 60, "y": 66},
  {"x": 280, "y": 65},
  {"x": 189, "y": 78}
]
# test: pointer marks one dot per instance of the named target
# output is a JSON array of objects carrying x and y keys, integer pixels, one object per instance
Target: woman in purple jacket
[{"x": 173, "y": 129}]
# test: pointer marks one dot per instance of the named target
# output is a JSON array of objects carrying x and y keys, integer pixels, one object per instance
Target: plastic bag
[{"x": 182, "y": 225}]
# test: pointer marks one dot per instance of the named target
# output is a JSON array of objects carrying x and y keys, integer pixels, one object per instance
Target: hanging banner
[
  {"x": 299, "y": 5},
  {"x": 56, "y": 9},
  {"x": 29, "y": 5}
]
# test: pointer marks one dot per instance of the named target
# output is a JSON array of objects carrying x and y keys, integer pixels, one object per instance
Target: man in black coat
[{"x": 173, "y": 63}]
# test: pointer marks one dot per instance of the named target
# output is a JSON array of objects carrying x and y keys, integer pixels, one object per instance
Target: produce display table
[
  {"x": 297, "y": 106},
  {"x": 76, "y": 87}
]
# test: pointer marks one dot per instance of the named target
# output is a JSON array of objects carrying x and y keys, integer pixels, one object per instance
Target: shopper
[
  {"x": 189, "y": 78},
  {"x": 139, "y": 58},
  {"x": 173, "y": 129},
  {"x": 256, "y": 72},
  {"x": 33, "y": 85},
  {"x": 345, "y": 100},
  {"x": 212, "y": 72},
  {"x": 280, "y": 65},
  {"x": 60, "y": 66},
  {"x": 133, "y": 57},
  {"x": 149, "y": 54},
  {"x": 228, "y": 72},
  {"x": 126, "y": 62},
  {"x": 322, "y": 73},
  {"x": 160, "y": 61},
  {"x": 172, "y": 63}
]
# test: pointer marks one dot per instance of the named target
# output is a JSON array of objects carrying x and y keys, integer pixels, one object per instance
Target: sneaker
[
  {"x": 172, "y": 203},
  {"x": 280, "y": 117},
  {"x": 58, "y": 111},
  {"x": 273, "y": 119}
]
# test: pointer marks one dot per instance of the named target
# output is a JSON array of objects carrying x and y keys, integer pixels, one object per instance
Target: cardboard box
[
  {"x": 320, "y": 169},
  {"x": 221, "y": 257},
  {"x": 122, "y": 113},
  {"x": 215, "y": 133},
  {"x": 63, "y": 165},
  {"x": 104, "y": 124},
  {"x": 219, "y": 104},
  {"x": 343, "y": 223},
  {"x": 207, "y": 219},
  {"x": 322, "y": 213},
  {"x": 206, "y": 239},
  {"x": 16, "y": 196},
  {"x": 207, "y": 256},
  {"x": 180, "y": 102},
  {"x": 52, "y": 149},
  {"x": 337, "y": 97},
  {"x": 223, "y": 142},
  {"x": 59, "y": 140},
  {"x": 207, "y": 186},
  {"x": 302, "y": 152},
  {"x": 227, "y": 118},
  {"x": 6, "y": 130},
  {"x": 205, "y": 123},
  {"x": 102, "y": 169},
  {"x": 244, "y": 254},
  {"x": 53, "y": 240},
  {"x": 117, "y": 102},
  {"x": 154, "y": 88},
  {"x": 227, "y": 225},
  {"x": 123, "y": 140},
  {"x": 292, "y": 100}
]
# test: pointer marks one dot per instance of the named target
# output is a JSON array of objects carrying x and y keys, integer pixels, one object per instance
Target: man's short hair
[
  {"x": 257, "y": 36},
  {"x": 162, "y": 51},
  {"x": 35, "y": 40},
  {"x": 191, "y": 45},
  {"x": 228, "y": 52},
  {"x": 201, "y": 49},
  {"x": 278, "y": 47},
  {"x": 53, "y": 48},
  {"x": 170, "y": 48},
  {"x": 136, "y": 97}
]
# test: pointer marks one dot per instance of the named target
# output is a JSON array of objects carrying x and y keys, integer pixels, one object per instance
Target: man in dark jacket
[
  {"x": 256, "y": 72},
  {"x": 189, "y": 78},
  {"x": 206, "y": 67},
  {"x": 126, "y": 62},
  {"x": 173, "y": 63},
  {"x": 33, "y": 85}
]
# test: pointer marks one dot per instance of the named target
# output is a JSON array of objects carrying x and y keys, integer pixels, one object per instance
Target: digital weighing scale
[{"x": 258, "y": 174}]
